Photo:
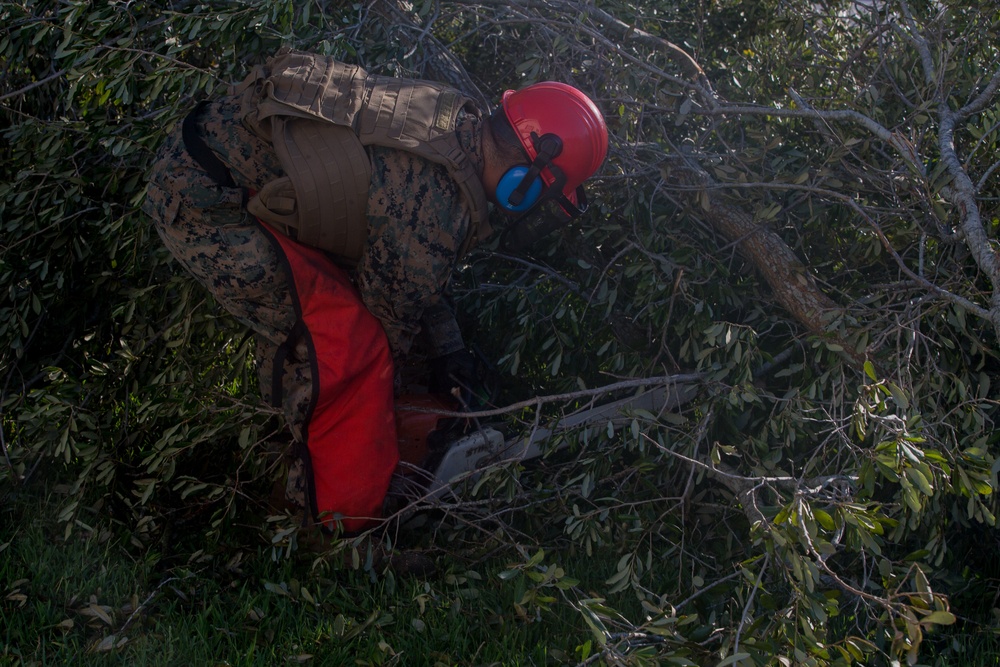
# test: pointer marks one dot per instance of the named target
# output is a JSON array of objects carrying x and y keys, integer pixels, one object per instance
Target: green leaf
[
  {"x": 824, "y": 519},
  {"x": 920, "y": 481},
  {"x": 595, "y": 624},
  {"x": 938, "y": 618},
  {"x": 910, "y": 498},
  {"x": 898, "y": 396}
]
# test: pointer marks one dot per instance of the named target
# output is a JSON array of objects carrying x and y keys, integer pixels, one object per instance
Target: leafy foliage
[
  {"x": 863, "y": 487},
  {"x": 828, "y": 496}
]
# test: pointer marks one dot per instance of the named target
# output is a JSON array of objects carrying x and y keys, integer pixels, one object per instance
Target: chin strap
[
  {"x": 541, "y": 221},
  {"x": 547, "y": 147},
  {"x": 523, "y": 232}
]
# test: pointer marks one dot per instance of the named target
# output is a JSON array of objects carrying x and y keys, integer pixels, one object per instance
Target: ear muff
[{"x": 512, "y": 181}]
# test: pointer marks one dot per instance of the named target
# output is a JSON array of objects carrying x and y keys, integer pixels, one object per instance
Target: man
[{"x": 311, "y": 167}]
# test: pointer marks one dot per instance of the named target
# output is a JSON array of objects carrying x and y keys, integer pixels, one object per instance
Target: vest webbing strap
[
  {"x": 204, "y": 155},
  {"x": 302, "y": 102},
  {"x": 200, "y": 151}
]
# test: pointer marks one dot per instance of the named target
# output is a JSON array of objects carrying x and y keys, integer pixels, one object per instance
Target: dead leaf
[
  {"x": 19, "y": 598},
  {"x": 97, "y": 611},
  {"x": 110, "y": 643}
]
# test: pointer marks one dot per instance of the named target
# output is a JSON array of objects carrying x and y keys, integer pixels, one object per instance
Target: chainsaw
[{"x": 443, "y": 454}]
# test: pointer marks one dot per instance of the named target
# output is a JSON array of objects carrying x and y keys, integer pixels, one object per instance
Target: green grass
[{"x": 66, "y": 601}]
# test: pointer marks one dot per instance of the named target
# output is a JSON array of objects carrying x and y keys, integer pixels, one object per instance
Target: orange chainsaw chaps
[
  {"x": 417, "y": 416},
  {"x": 349, "y": 430}
]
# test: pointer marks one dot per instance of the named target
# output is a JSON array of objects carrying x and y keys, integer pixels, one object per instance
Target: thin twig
[
  {"x": 746, "y": 607},
  {"x": 32, "y": 86},
  {"x": 705, "y": 589},
  {"x": 6, "y": 455},
  {"x": 539, "y": 401}
]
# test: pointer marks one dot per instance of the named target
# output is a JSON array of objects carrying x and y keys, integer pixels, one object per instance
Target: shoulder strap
[
  {"x": 304, "y": 92},
  {"x": 200, "y": 151}
]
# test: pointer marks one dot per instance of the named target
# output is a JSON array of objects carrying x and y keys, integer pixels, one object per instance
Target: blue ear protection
[{"x": 511, "y": 181}]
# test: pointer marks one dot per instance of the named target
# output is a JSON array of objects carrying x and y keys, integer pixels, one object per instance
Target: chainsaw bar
[{"x": 468, "y": 456}]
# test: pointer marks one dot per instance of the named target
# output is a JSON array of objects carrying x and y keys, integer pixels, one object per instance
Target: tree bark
[{"x": 794, "y": 288}]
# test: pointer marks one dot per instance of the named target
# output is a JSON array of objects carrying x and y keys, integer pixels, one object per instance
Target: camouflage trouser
[{"x": 207, "y": 229}]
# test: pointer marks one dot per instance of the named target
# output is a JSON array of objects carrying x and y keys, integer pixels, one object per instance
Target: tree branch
[
  {"x": 963, "y": 195},
  {"x": 984, "y": 98},
  {"x": 956, "y": 299},
  {"x": 32, "y": 86},
  {"x": 897, "y": 141},
  {"x": 912, "y": 35},
  {"x": 539, "y": 401}
]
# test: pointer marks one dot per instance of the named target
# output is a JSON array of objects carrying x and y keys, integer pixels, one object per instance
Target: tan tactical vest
[{"x": 319, "y": 114}]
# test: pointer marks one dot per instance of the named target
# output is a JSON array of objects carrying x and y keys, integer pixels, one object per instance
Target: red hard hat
[{"x": 560, "y": 109}]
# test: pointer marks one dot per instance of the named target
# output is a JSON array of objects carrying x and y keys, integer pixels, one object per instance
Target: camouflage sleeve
[
  {"x": 417, "y": 221},
  {"x": 206, "y": 228}
]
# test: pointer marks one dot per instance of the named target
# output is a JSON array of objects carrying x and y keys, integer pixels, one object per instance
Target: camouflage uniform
[{"x": 417, "y": 222}]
